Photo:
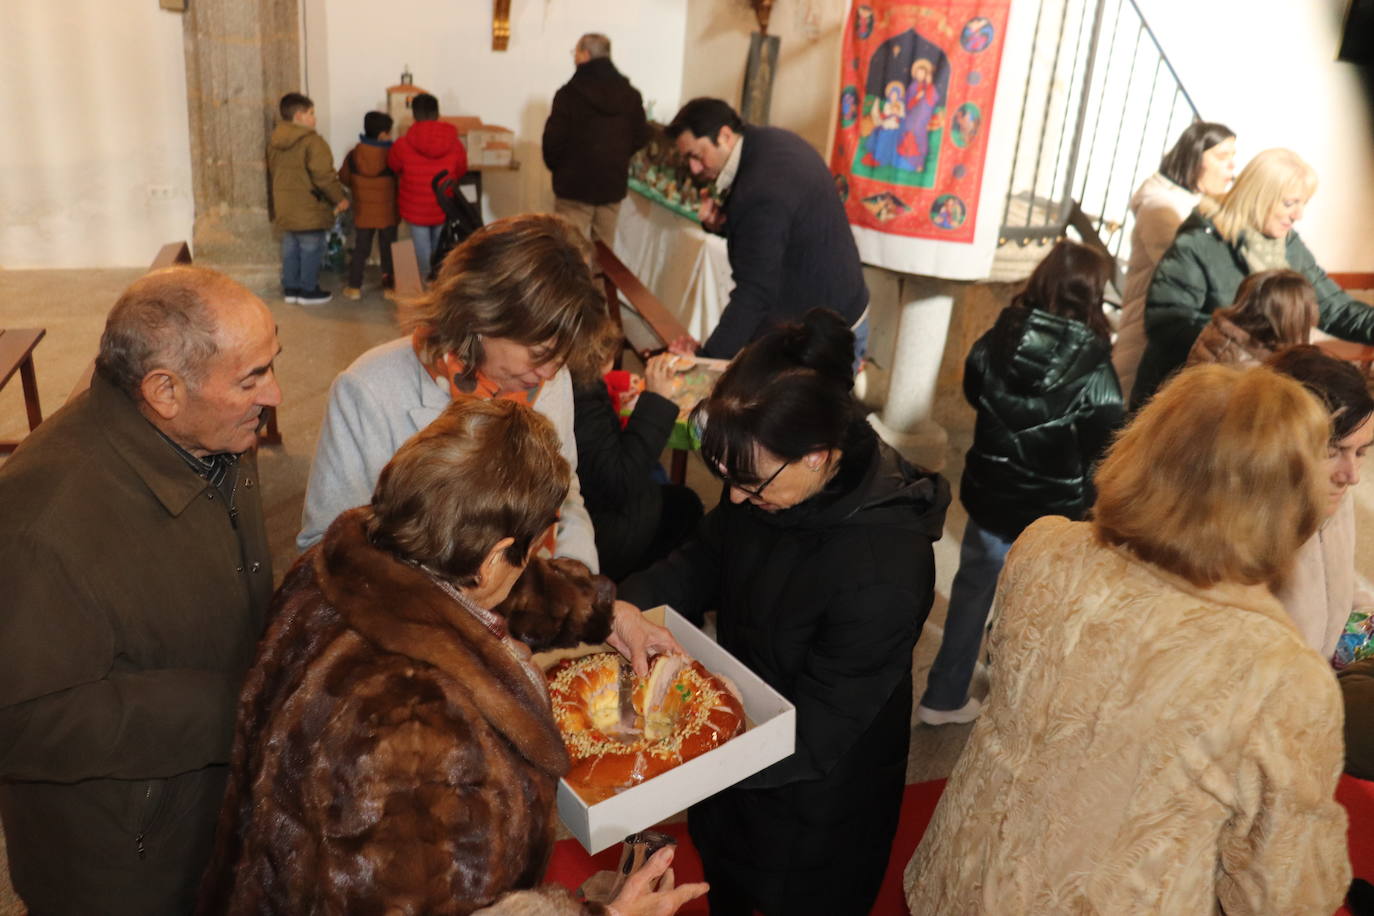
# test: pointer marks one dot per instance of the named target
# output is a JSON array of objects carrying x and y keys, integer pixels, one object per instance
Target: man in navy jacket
[{"x": 790, "y": 245}]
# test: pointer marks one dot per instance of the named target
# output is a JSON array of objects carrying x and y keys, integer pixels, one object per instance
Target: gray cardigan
[{"x": 382, "y": 400}]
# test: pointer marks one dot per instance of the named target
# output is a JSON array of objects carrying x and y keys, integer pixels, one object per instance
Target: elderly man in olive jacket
[{"x": 136, "y": 579}]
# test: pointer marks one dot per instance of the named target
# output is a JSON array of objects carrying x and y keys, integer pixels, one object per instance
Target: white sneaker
[
  {"x": 314, "y": 296},
  {"x": 961, "y": 716}
]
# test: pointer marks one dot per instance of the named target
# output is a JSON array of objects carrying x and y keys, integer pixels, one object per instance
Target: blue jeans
[
  {"x": 860, "y": 341},
  {"x": 425, "y": 238},
  {"x": 301, "y": 255},
  {"x": 981, "y": 556}
]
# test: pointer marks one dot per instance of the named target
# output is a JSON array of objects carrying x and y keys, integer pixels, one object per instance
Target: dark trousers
[
  {"x": 622, "y": 545},
  {"x": 362, "y": 247}
]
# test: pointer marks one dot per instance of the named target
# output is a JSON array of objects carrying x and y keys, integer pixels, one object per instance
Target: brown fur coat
[{"x": 391, "y": 755}]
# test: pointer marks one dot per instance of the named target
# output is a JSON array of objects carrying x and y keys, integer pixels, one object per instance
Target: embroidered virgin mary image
[{"x": 902, "y": 117}]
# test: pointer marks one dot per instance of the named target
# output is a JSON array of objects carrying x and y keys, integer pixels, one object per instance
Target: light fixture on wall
[{"x": 500, "y": 25}]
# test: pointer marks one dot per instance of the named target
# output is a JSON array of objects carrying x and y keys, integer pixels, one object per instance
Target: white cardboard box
[
  {"x": 770, "y": 737},
  {"x": 490, "y": 146}
]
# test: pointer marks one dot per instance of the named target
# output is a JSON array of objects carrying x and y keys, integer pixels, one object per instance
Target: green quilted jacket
[{"x": 1199, "y": 274}]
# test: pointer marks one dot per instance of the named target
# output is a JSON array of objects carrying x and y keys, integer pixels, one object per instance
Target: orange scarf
[{"x": 450, "y": 369}]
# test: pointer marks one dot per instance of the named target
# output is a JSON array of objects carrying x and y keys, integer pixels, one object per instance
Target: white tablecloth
[{"x": 686, "y": 267}]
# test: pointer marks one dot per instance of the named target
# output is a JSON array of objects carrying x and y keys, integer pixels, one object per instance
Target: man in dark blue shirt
[{"x": 791, "y": 248}]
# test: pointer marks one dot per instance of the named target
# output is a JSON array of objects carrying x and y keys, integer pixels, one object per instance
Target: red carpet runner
[{"x": 571, "y": 865}]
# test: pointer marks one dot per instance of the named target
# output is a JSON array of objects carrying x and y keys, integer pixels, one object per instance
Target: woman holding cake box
[
  {"x": 395, "y": 751},
  {"x": 819, "y": 562}
]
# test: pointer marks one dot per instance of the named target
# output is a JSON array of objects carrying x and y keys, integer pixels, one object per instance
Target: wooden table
[
  {"x": 16, "y": 355},
  {"x": 619, "y": 281}
]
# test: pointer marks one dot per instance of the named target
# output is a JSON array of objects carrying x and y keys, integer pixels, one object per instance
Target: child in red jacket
[{"x": 430, "y": 146}]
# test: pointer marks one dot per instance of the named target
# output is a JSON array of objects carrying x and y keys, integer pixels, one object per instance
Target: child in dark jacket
[
  {"x": 637, "y": 519},
  {"x": 373, "y": 186},
  {"x": 1048, "y": 402}
]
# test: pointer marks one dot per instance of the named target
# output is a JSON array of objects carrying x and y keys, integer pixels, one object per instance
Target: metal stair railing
[{"x": 1102, "y": 105}]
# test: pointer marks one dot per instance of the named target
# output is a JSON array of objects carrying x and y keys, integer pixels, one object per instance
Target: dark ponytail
[{"x": 788, "y": 392}]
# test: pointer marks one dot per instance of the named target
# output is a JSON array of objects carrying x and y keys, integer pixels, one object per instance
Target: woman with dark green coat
[
  {"x": 1048, "y": 402},
  {"x": 1218, "y": 246}
]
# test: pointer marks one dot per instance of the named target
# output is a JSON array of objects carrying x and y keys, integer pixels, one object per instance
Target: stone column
[
  {"x": 905, "y": 421},
  {"x": 241, "y": 57}
]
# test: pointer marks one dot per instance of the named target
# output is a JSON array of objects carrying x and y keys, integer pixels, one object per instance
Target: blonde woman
[
  {"x": 1222, "y": 243},
  {"x": 1158, "y": 738}
]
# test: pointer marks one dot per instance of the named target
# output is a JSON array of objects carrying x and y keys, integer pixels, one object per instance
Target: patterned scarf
[
  {"x": 451, "y": 370},
  {"x": 1263, "y": 253}
]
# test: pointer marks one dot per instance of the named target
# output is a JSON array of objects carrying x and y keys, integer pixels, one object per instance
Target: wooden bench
[
  {"x": 1361, "y": 355},
  {"x": 16, "y": 355},
  {"x": 618, "y": 281},
  {"x": 171, "y": 255}
]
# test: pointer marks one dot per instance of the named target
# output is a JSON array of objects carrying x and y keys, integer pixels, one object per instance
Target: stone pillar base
[
  {"x": 905, "y": 422},
  {"x": 926, "y": 443},
  {"x": 235, "y": 236}
]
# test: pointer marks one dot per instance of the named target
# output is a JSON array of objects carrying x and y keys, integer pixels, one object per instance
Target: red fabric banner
[{"x": 917, "y": 83}]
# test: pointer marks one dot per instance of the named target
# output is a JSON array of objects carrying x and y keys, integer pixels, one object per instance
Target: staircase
[{"x": 1102, "y": 106}]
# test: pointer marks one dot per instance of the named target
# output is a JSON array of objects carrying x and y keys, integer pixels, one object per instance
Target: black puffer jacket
[
  {"x": 824, "y": 601},
  {"x": 613, "y": 466},
  {"x": 1048, "y": 402},
  {"x": 596, "y": 124}
]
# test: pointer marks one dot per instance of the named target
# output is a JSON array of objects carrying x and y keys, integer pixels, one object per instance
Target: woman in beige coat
[{"x": 1157, "y": 739}]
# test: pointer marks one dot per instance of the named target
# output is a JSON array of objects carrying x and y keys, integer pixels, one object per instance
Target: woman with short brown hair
[
  {"x": 395, "y": 750},
  {"x": 1158, "y": 738},
  {"x": 512, "y": 309}
]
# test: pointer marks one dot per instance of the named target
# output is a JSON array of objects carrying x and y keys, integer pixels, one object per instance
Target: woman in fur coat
[{"x": 395, "y": 751}]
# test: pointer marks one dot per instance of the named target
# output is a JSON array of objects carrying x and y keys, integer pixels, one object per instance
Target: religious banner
[{"x": 918, "y": 83}]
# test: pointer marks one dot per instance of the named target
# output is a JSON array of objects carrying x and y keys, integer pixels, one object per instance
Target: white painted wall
[
  {"x": 804, "y": 92},
  {"x": 1268, "y": 70},
  {"x": 447, "y": 46},
  {"x": 95, "y": 170}
]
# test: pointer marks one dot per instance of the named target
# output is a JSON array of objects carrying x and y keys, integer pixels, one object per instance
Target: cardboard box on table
[
  {"x": 769, "y": 737},
  {"x": 490, "y": 146},
  {"x": 487, "y": 145}
]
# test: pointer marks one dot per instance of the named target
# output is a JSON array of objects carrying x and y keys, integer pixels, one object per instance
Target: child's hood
[
  {"x": 433, "y": 139},
  {"x": 1050, "y": 351},
  {"x": 286, "y": 135}
]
